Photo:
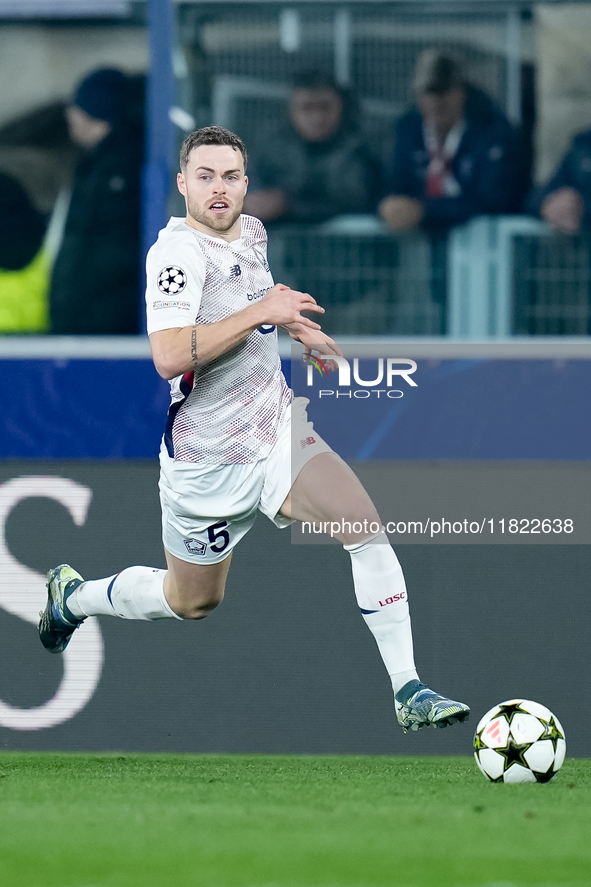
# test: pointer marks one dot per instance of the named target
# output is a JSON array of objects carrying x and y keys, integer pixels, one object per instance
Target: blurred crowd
[
  {"x": 453, "y": 155},
  {"x": 76, "y": 268}
]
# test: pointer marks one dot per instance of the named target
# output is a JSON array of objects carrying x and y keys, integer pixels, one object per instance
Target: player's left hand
[{"x": 323, "y": 349}]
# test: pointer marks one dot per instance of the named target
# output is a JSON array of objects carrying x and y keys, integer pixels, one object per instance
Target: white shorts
[{"x": 207, "y": 509}]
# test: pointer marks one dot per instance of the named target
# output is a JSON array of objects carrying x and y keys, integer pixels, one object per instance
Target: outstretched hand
[
  {"x": 314, "y": 340},
  {"x": 283, "y": 306}
]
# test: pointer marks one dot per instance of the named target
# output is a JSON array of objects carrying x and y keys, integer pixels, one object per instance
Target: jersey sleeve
[{"x": 174, "y": 286}]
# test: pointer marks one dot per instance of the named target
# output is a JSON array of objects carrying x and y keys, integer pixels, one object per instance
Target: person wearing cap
[
  {"x": 316, "y": 166},
  {"x": 95, "y": 286},
  {"x": 455, "y": 154}
]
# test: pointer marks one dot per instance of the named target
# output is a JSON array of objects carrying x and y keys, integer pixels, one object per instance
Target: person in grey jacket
[{"x": 318, "y": 165}]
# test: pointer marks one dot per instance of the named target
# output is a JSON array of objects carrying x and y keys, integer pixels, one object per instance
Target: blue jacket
[
  {"x": 487, "y": 165},
  {"x": 573, "y": 172}
]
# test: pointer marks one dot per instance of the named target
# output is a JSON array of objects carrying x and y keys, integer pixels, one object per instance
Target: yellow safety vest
[{"x": 24, "y": 294}]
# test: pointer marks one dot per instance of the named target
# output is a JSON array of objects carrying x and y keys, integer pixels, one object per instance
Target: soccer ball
[{"x": 519, "y": 741}]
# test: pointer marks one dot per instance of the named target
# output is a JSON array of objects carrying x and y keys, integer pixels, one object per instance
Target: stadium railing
[
  {"x": 551, "y": 285},
  {"x": 515, "y": 276},
  {"x": 494, "y": 277},
  {"x": 253, "y": 52},
  {"x": 481, "y": 270},
  {"x": 371, "y": 281}
]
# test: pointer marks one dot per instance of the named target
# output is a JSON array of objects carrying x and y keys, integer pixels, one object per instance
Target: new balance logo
[
  {"x": 307, "y": 442},
  {"x": 235, "y": 271}
]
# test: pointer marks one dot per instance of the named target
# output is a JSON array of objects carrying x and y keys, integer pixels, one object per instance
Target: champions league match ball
[{"x": 519, "y": 741}]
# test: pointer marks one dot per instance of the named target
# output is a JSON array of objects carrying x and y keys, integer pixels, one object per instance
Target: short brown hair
[
  {"x": 437, "y": 72},
  {"x": 211, "y": 135}
]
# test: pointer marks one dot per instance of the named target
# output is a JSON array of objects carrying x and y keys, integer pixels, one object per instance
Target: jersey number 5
[{"x": 219, "y": 535}]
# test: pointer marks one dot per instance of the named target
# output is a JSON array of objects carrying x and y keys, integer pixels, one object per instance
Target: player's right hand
[
  {"x": 564, "y": 210},
  {"x": 283, "y": 306}
]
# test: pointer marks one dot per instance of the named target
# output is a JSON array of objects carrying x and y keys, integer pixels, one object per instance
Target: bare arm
[{"x": 182, "y": 350}]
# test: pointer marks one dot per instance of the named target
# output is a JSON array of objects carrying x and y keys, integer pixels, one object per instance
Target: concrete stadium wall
[
  {"x": 563, "y": 80},
  {"x": 43, "y": 64}
]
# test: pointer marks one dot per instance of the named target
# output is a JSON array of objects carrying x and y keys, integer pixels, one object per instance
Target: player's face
[
  {"x": 316, "y": 113},
  {"x": 213, "y": 185},
  {"x": 86, "y": 131},
  {"x": 442, "y": 110}
]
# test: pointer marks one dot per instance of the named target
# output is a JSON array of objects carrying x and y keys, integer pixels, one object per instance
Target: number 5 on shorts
[{"x": 219, "y": 535}]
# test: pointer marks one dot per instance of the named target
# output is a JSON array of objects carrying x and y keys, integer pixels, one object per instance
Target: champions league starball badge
[{"x": 172, "y": 280}]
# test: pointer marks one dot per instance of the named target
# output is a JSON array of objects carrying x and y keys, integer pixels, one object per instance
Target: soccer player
[{"x": 213, "y": 313}]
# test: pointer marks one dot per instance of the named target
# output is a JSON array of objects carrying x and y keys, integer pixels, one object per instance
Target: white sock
[
  {"x": 381, "y": 594},
  {"x": 135, "y": 593}
]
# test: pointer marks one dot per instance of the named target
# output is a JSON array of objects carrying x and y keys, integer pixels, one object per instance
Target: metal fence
[
  {"x": 369, "y": 284},
  {"x": 234, "y": 63},
  {"x": 552, "y": 285},
  {"x": 496, "y": 276},
  {"x": 493, "y": 277}
]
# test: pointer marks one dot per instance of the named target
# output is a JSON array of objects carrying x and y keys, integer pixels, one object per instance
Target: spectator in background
[
  {"x": 319, "y": 165},
  {"x": 565, "y": 202},
  {"x": 21, "y": 226},
  {"x": 455, "y": 156},
  {"x": 95, "y": 286},
  {"x": 23, "y": 270}
]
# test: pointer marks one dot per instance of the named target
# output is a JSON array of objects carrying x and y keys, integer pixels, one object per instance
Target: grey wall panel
[{"x": 286, "y": 663}]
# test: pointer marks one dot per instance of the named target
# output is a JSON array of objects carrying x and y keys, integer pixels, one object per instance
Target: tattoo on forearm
[{"x": 194, "y": 347}]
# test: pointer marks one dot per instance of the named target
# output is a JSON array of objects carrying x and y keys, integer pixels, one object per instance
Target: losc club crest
[
  {"x": 195, "y": 546},
  {"x": 172, "y": 280}
]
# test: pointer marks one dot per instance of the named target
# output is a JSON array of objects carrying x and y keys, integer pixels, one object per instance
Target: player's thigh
[
  {"x": 195, "y": 589},
  {"x": 206, "y": 511},
  {"x": 327, "y": 490}
]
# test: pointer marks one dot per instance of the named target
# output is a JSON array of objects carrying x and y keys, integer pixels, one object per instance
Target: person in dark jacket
[
  {"x": 24, "y": 273},
  {"x": 21, "y": 226},
  {"x": 316, "y": 167},
  {"x": 455, "y": 155},
  {"x": 565, "y": 201},
  {"x": 95, "y": 287}
]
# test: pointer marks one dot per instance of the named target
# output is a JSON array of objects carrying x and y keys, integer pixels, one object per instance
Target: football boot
[
  {"x": 417, "y": 706},
  {"x": 57, "y": 624}
]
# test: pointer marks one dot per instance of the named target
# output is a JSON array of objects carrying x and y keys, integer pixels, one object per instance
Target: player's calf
[
  {"x": 382, "y": 597},
  {"x": 134, "y": 593},
  {"x": 194, "y": 590},
  {"x": 192, "y": 604}
]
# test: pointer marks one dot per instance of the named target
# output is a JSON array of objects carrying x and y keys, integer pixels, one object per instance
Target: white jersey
[{"x": 229, "y": 411}]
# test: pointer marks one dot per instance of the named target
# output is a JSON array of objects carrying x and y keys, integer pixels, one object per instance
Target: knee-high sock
[
  {"x": 381, "y": 594},
  {"x": 135, "y": 593}
]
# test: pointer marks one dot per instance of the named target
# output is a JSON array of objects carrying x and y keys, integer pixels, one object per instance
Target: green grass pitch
[{"x": 72, "y": 820}]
